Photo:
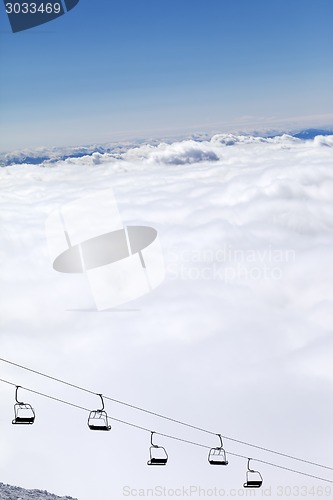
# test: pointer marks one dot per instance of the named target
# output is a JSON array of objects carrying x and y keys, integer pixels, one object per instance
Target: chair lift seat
[
  {"x": 157, "y": 461},
  {"x": 253, "y": 477},
  {"x": 99, "y": 427},
  {"x": 157, "y": 454},
  {"x": 218, "y": 456},
  {"x": 98, "y": 419},
  {"x": 252, "y": 484},
  {"x": 24, "y": 420},
  {"x": 218, "y": 462},
  {"x": 23, "y": 412}
]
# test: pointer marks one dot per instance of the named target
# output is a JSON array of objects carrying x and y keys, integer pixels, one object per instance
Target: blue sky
[{"x": 108, "y": 70}]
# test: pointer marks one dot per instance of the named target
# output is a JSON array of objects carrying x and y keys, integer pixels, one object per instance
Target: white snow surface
[
  {"x": 237, "y": 340},
  {"x": 8, "y": 492}
]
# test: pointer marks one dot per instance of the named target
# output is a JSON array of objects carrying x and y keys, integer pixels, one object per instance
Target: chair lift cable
[
  {"x": 168, "y": 436},
  {"x": 170, "y": 419}
]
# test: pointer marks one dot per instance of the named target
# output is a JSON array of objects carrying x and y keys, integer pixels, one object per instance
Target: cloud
[
  {"x": 197, "y": 147},
  {"x": 178, "y": 153},
  {"x": 324, "y": 140},
  {"x": 232, "y": 341}
]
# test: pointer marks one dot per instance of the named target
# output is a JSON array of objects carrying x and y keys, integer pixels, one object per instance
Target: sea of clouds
[{"x": 238, "y": 339}]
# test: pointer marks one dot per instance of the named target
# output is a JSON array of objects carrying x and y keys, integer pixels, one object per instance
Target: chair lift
[
  {"x": 98, "y": 419},
  {"x": 217, "y": 456},
  {"x": 253, "y": 477},
  {"x": 24, "y": 413},
  {"x": 158, "y": 454}
]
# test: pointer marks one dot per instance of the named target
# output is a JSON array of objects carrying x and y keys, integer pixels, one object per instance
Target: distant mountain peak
[{"x": 311, "y": 133}]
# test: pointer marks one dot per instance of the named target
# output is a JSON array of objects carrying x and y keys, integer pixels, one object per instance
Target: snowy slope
[{"x": 15, "y": 493}]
